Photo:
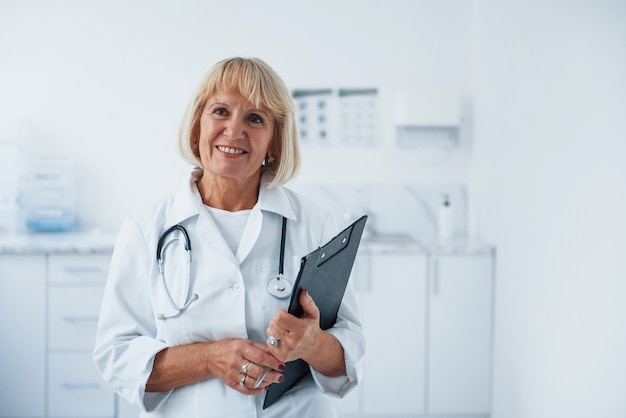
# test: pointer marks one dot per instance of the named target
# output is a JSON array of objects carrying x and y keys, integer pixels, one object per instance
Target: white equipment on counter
[{"x": 49, "y": 196}]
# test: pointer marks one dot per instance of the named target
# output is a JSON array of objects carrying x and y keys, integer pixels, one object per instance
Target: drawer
[
  {"x": 75, "y": 388},
  {"x": 73, "y": 316},
  {"x": 87, "y": 268}
]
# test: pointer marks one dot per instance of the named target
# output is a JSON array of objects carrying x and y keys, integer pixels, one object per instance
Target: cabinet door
[
  {"x": 352, "y": 403},
  {"x": 22, "y": 351},
  {"x": 460, "y": 334},
  {"x": 80, "y": 269},
  {"x": 73, "y": 317},
  {"x": 76, "y": 389},
  {"x": 394, "y": 306}
]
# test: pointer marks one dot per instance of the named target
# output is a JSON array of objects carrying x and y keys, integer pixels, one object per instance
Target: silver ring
[
  {"x": 273, "y": 340},
  {"x": 244, "y": 368},
  {"x": 243, "y": 380}
]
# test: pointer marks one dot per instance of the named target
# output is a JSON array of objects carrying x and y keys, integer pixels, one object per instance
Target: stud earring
[{"x": 270, "y": 159}]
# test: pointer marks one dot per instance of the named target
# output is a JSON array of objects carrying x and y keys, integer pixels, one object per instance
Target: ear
[
  {"x": 274, "y": 149},
  {"x": 195, "y": 148}
]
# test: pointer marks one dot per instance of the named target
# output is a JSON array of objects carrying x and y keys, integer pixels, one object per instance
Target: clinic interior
[{"x": 483, "y": 138}]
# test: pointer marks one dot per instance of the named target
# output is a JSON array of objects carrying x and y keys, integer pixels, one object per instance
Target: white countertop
[
  {"x": 392, "y": 244},
  {"x": 97, "y": 241},
  {"x": 94, "y": 241}
]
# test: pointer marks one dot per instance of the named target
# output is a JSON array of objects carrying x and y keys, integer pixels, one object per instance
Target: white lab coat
[{"x": 233, "y": 302}]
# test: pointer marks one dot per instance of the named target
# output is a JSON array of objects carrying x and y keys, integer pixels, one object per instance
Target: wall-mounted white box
[{"x": 425, "y": 120}]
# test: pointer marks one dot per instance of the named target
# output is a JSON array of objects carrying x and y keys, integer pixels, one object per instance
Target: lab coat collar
[
  {"x": 275, "y": 199},
  {"x": 187, "y": 203},
  {"x": 271, "y": 199}
]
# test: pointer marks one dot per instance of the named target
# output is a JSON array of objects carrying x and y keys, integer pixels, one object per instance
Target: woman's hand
[
  {"x": 239, "y": 363},
  {"x": 186, "y": 364},
  {"x": 302, "y": 338}
]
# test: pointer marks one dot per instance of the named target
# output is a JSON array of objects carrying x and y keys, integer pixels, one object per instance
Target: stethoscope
[{"x": 278, "y": 286}]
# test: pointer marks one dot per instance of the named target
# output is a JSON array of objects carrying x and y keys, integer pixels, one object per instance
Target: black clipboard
[{"x": 324, "y": 273}]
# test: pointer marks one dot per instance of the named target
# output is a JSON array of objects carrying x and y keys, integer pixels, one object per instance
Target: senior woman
[{"x": 184, "y": 335}]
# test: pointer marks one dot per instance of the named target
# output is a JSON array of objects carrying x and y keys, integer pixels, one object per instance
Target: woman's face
[{"x": 235, "y": 137}]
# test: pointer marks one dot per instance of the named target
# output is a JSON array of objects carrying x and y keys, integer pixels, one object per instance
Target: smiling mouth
[{"x": 229, "y": 150}]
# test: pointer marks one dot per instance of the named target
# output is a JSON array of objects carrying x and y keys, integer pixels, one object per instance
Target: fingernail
[
  {"x": 306, "y": 292},
  {"x": 282, "y": 367},
  {"x": 280, "y": 379}
]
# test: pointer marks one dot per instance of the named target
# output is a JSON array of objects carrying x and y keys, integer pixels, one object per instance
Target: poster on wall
[{"x": 337, "y": 117}]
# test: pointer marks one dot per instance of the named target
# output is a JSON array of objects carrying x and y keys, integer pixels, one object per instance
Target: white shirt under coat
[{"x": 233, "y": 302}]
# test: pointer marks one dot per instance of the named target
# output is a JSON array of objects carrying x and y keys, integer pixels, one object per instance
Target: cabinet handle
[
  {"x": 82, "y": 270},
  {"x": 435, "y": 277},
  {"x": 80, "y": 386},
  {"x": 75, "y": 319},
  {"x": 369, "y": 275}
]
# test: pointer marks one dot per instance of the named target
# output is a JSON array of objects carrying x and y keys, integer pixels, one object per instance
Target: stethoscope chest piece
[{"x": 279, "y": 287}]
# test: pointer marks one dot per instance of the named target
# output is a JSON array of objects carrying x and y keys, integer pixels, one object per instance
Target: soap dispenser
[{"x": 445, "y": 219}]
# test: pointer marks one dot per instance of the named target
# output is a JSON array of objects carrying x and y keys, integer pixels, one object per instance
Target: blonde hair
[{"x": 261, "y": 85}]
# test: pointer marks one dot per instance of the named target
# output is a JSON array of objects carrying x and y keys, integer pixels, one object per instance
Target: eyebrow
[
  {"x": 211, "y": 104},
  {"x": 253, "y": 109}
]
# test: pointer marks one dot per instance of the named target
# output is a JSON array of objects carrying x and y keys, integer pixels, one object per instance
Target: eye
[
  {"x": 220, "y": 111},
  {"x": 255, "y": 118}
]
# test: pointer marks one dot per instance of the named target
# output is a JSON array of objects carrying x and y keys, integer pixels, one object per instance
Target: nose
[{"x": 234, "y": 128}]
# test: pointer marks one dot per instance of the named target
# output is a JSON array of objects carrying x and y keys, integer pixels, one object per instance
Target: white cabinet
[
  {"x": 22, "y": 351},
  {"x": 75, "y": 288},
  {"x": 75, "y": 388},
  {"x": 428, "y": 323},
  {"x": 393, "y": 314},
  {"x": 392, "y": 291},
  {"x": 50, "y": 303},
  {"x": 460, "y": 334}
]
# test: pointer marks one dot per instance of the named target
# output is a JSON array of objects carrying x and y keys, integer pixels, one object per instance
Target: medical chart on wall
[{"x": 337, "y": 117}]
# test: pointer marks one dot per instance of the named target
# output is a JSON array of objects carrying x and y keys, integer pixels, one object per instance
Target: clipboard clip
[{"x": 334, "y": 247}]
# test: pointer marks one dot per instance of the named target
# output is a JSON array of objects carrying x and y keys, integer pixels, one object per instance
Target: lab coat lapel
[
  {"x": 270, "y": 200},
  {"x": 250, "y": 234},
  {"x": 210, "y": 235},
  {"x": 275, "y": 200},
  {"x": 188, "y": 203}
]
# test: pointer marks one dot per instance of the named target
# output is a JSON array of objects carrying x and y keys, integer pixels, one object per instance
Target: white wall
[
  {"x": 550, "y": 107},
  {"x": 107, "y": 82}
]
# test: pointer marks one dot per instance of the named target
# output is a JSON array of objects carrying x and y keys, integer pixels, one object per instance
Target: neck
[{"x": 228, "y": 193}]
